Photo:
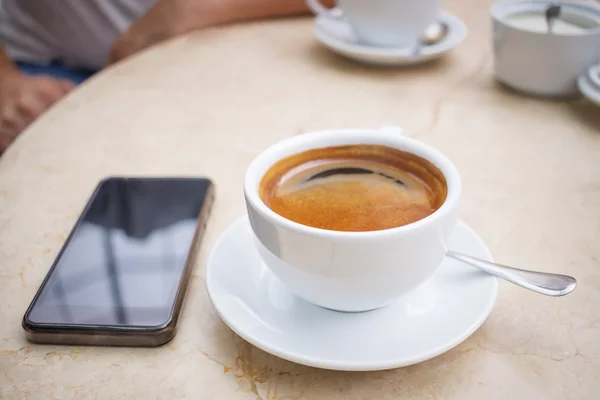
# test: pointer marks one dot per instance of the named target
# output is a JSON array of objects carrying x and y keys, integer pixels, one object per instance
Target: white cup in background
[
  {"x": 530, "y": 59},
  {"x": 351, "y": 271},
  {"x": 384, "y": 23}
]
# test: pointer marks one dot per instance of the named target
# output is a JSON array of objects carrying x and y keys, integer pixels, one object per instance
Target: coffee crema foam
[{"x": 354, "y": 188}]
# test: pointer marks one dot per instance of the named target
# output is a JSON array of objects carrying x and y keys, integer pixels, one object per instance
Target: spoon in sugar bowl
[
  {"x": 552, "y": 13},
  {"x": 540, "y": 282}
]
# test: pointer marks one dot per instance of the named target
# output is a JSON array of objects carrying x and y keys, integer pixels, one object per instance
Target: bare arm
[
  {"x": 169, "y": 18},
  {"x": 6, "y": 65},
  {"x": 23, "y": 98}
]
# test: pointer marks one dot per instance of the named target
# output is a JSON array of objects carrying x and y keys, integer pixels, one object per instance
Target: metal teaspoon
[
  {"x": 552, "y": 13},
  {"x": 435, "y": 33},
  {"x": 540, "y": 282}
]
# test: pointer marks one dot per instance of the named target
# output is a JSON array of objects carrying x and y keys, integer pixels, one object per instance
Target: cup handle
[{"x": 320, "y": 10}]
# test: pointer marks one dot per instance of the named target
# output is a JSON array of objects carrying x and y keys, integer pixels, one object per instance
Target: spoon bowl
[{"x": 434, "y": 33}]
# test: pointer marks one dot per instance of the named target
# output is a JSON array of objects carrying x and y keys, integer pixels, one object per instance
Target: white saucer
[
  {"x": 337, "y": 35},
  {"x": 588, "y": 83},
  {"x": 434, "y": 318}
]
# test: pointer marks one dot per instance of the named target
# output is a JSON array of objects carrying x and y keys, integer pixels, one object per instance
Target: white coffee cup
[
  {"x": 528, "y": 58},
  {"x": 384, "y": 23},
  {"x": 351, "y": 271}
]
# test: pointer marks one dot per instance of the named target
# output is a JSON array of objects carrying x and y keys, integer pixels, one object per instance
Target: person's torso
[{"x": 77, "y": 33}]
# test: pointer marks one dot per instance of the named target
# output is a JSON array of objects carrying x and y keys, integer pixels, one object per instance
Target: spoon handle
[
  {"x": 541, "y": 282},
  {"x": 552, "y": 13}
]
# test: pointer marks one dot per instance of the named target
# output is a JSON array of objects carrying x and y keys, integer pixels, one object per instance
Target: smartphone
[{"x": 121, "y": 276}]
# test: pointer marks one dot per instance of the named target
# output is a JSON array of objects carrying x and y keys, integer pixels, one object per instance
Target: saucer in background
[
  {"x": 589, "y": 83},
  {"x": 337, "y": 35},
  {"x": 429, "y": 321}
]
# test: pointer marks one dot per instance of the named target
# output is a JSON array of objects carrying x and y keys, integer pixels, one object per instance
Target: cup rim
[
  {"x": 436, "y": 157},
  {"x": 498, "y": 14}
]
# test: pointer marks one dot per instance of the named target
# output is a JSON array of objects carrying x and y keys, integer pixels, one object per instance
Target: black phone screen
[{"x": 123, "y": 262}]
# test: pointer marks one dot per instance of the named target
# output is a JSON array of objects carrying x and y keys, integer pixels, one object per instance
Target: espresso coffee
[{"x": 354, "y": 188}]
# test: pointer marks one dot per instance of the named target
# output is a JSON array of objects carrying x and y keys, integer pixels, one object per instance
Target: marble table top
[{"x": 206, "y": 104}]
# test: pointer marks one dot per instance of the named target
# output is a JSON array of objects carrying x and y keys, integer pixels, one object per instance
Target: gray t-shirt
[{"x": 78, "y": 33}]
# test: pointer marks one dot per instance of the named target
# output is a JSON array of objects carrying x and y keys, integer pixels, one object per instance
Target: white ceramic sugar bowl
[{"x": 531, "y": 59}]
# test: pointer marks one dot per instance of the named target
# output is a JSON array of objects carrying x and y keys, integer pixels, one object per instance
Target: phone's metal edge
[
  {"x": 192, "y": 256},
  {"x": 106, "y": 335},
  {"x": 102, "y": 337}
]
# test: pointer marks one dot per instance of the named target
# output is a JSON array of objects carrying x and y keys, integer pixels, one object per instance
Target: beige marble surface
[{"x": 206, "y": 104}]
